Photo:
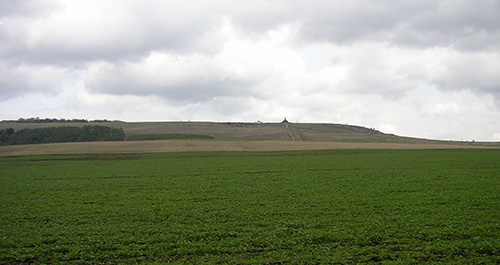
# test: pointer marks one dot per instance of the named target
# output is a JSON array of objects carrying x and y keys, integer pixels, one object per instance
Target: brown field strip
[{"x": 207, "y": 145}]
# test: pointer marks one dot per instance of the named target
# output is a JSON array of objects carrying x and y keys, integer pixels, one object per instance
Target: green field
[{"x": 300, "y": 207}]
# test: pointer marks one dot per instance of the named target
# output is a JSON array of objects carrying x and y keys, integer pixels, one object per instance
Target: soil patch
[{"x": 210, "y": 145}]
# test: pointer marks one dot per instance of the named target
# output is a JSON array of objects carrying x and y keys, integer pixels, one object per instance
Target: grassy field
[{"x": 296, "y": 207}]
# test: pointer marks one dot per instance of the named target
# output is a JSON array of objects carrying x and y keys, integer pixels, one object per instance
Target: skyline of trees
[
  {"x": 88, "y": 133},
  {"x": 53, "y": 120}
]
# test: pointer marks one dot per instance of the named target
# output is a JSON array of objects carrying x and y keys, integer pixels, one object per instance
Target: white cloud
[{"x": 476, "y": 71}]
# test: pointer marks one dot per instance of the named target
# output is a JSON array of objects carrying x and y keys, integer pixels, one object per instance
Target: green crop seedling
[{"x": 300, "y": 207}]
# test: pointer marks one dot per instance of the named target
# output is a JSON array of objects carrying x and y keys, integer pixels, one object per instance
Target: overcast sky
[{"x": 422, "y": 68}]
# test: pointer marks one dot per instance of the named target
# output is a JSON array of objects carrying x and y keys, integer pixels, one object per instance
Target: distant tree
[
  {"x": 88, "y": 133},
  {"x": 5, "y": 136},
  {"x": 48, "y": 120}
]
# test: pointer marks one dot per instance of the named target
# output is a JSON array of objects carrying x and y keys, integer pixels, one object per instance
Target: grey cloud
[
  {"x": 126, "y": 30},
  {"x": 176, "y": 87},
  {"x": 477, "y": 72},
  {"x": 187, "y": 91},
  {"x": 408, "y": 23},
  {"x": 16, "y": 80},
  {"x": 344, "y": 22},
  {"x": 453, "y": 16},
  {"x": 462, "y": 25},
  {"x": 130, "y": 30},
  {"x": 33, "y": 8}
]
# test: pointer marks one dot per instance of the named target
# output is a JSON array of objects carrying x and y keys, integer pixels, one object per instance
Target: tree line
[
  {"x": 53, "y": 120},
  {"x": 88, "y": 133}
]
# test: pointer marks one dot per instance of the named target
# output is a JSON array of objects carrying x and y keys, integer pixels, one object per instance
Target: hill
[{"x": 243, "y": 131}]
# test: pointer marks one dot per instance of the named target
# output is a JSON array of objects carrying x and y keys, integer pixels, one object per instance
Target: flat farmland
[
  {"x": 217, "y": 145},
  {"x": 287, "y": 207}
]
